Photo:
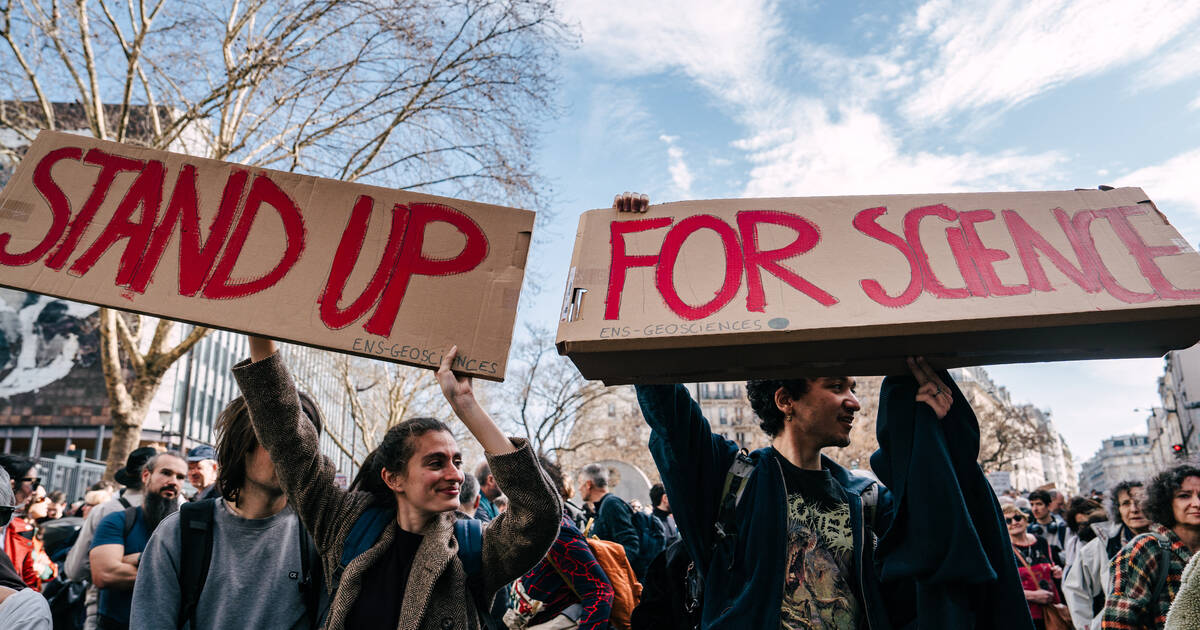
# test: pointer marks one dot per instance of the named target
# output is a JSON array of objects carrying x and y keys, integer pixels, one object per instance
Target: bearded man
[{"x": 121, "y": 537}]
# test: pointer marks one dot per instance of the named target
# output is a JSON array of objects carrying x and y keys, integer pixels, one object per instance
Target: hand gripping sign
[
  {"x": 732, "y": 289},
  {"x": 359, "y": 269}
]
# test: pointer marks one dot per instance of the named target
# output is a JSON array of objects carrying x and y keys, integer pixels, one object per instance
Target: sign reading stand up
[
  {"x": 742, "y": 288},
  {"x": 359, "y": 269}
]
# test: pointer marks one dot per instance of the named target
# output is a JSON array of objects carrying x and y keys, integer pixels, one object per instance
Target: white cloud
[
  {"x": 1179, "y": 63},
  {"x": 1194, "y": 104},
  {"x": 810, "y": 153},
  {"x": 1172, "y": 186},
  {"x": 681, "y": 175},
  {"x": 723, "y": 44},
  {"x": 971, "y": 55}
]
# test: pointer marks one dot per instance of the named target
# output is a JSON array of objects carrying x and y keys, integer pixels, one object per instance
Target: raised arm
[
  {"x": 520, "y": 536},
  {"x": 691, "y": 459},
  {"x": 307, "y": 477}
]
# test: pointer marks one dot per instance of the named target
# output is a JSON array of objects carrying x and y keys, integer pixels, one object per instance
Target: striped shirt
[{"x": 1135, "y": 572}]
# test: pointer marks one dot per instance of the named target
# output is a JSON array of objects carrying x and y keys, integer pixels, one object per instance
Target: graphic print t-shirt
[{"x": 820, "y": 553}]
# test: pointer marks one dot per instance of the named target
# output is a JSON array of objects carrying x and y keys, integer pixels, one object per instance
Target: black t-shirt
[
  {"x": 818, "y": 591},
  {"x": 382, "y": 592}
]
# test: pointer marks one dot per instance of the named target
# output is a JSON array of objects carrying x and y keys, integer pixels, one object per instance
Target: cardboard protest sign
[
  {"x": 733, "y": 289},
  {"x": 364, "y": 270}
]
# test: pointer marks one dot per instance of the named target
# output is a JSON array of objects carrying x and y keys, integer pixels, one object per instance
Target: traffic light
[{"x": 1177, "y": 449}]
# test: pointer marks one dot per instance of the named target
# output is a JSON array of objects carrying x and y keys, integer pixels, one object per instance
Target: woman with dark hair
[
  {"x": 1035, "y": 565},
  {"x": 411, "y": 576},
  {"x": 1146, "y": 572},
  {"x": 569, "y": 580}
]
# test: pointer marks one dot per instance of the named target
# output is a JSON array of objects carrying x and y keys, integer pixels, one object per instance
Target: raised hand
[
  {"x": 457, "y": 389},
  {"x": 459, "y": 393},
  {"x": 930, "y": 389},
  {"x": 631, "y": 202}
]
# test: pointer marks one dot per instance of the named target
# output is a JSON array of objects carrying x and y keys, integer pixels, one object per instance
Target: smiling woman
[
  {"x": 393, "y": 537},
  {"x": 1148, "y": 571}
]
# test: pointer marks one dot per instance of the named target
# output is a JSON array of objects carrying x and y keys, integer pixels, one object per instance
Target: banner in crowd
[
  {"x": 738, "y": 288},
  {"x": 381, "y": 273}
]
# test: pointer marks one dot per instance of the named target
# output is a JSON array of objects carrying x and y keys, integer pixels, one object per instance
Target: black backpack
[
  {"x": 652, "y": 539},
  {"x": 196, "y": 546}
]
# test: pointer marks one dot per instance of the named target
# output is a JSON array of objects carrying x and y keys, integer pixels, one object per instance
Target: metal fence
[{"x": 71, "y": 476}]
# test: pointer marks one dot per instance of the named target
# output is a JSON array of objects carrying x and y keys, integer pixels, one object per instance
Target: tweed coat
[{"x": 436, "y": 596}]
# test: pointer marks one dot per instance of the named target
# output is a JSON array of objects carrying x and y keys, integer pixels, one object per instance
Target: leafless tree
[
  {"x": 1006, "y": 435},
  {"x": 545, "y": 395},
  {"x": 441, "y": 95}
]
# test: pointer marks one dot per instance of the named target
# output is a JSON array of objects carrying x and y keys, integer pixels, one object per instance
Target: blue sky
[{"x": 752, "y": 98}]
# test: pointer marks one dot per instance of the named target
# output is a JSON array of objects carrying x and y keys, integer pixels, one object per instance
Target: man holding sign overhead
[{"x": 785, "y": 537}]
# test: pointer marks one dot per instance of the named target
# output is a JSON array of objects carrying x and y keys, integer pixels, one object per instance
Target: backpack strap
[
  {"x": 725, "y": 527},
  {"x": 363, "y": 535},
  {"x": 195, "y": 554},
  {"x": 309, "y": 591},
  {"x": 124, "y": 502},
  {"x": 130, "y": 520},
  {"x": 469, "y": 534},
  {"x": 870, "y": 508}
]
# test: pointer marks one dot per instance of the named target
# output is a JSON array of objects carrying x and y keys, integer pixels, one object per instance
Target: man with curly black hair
[
  {"x": 786, "y": 538},
  {"x": 1146, "y": 572}
]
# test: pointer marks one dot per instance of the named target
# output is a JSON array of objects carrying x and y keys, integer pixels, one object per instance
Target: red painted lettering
[
  {"x": 807, "y": 237},
  {"x": 621, "y": 262},
  {"x": 866, "y": 222},
  {"x": 673, "y": 243},
  {"x": 966, "y": 266},
  {"x": 1145, "y": 254},
  {"x": 262, "y": 191},
  {"x": 1081, "y": 238},
  {"x": 110, "y": 166},
  {"x": 144, "y": 196},
  {"x": 1029, "y": 242},
  {"x": 412, "y": 261},
  {"x": 912, "y": 233},
  {"x": 196, "y": 257},
  {"x": 984, "y": 256},
  {"x": 60, "y": 208},
  {"x": 346, "y": 257}
]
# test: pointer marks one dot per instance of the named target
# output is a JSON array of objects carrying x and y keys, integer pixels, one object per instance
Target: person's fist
[{"x": 631, "y": 202}]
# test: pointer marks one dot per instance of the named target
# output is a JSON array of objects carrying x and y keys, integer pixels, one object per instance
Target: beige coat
[{"x": 436, "y": 597}]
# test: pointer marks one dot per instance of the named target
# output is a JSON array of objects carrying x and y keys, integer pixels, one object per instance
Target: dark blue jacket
[
  {"x": 614, "y": 522},
  {"x": 744, "y": 581}
]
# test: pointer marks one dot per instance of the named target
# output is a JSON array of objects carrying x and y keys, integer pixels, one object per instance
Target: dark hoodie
[{"x": 941, "y": 561}]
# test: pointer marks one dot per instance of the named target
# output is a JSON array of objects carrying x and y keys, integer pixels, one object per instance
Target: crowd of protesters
[
  {"x": 257, "y": 533},
  {"x": 417, "y": 542}
]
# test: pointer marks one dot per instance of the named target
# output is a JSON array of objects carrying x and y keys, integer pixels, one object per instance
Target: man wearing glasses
[{"x": 22, "y": 472}]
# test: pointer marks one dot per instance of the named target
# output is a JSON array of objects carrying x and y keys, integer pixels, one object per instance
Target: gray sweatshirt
[{"x": 253, "y": 579}]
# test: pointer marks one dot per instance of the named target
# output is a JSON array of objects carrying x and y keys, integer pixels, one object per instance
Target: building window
[
  {"x": 723, "y": 413},
  {"x": 720, "y": 390},
  {"x": 741, "y": 437}
]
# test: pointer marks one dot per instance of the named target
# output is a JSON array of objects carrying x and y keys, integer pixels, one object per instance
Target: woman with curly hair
[{"x": 1146, "y": 573}]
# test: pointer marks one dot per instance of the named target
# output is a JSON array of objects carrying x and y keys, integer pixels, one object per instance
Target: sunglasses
[
  {"x": 35, "y": 481},
  {"x": 1014, "y": 519},
  {"x": 6, "y": 512}
]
